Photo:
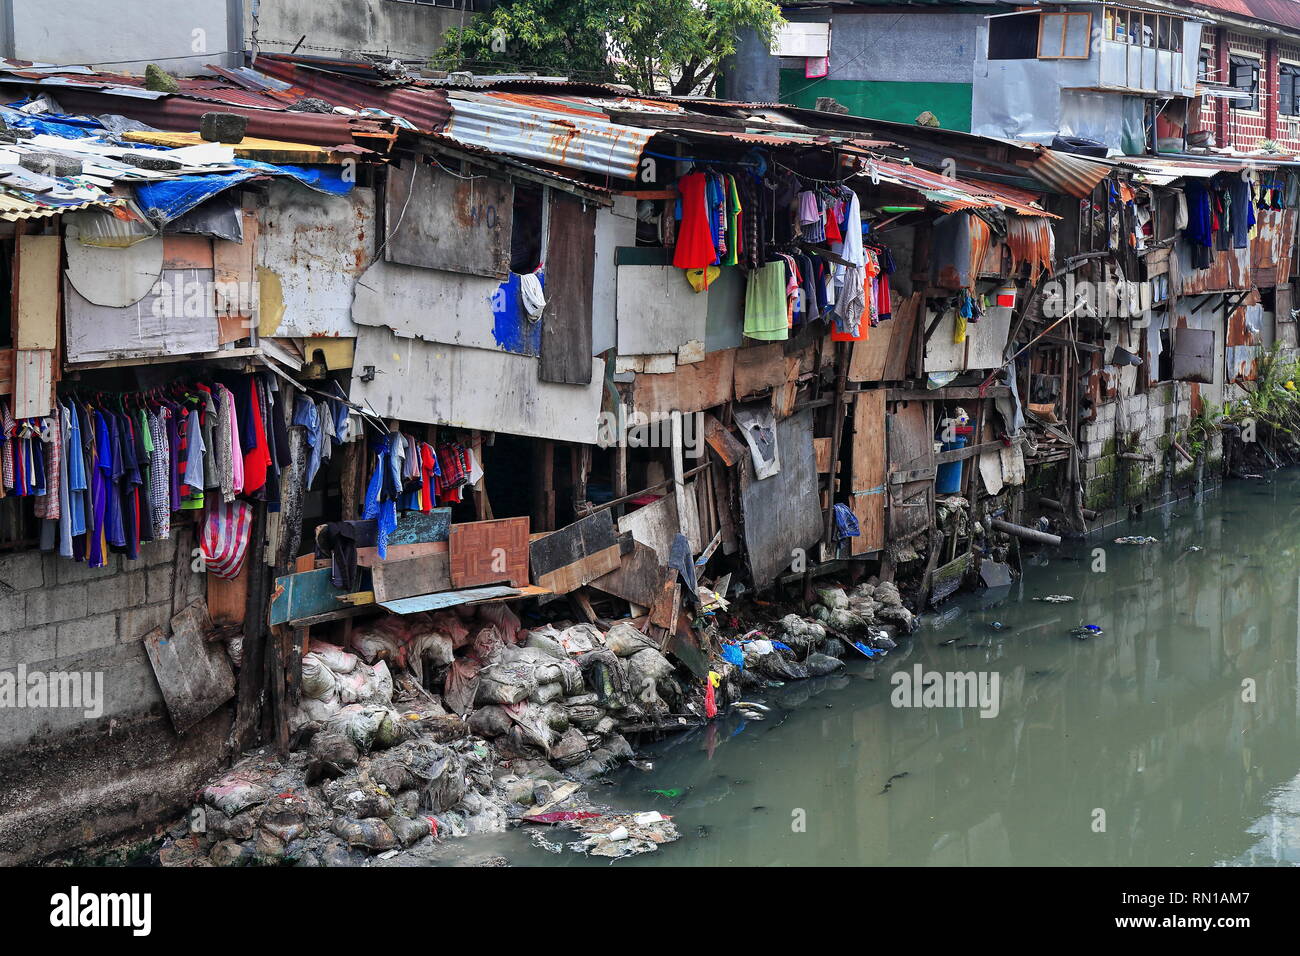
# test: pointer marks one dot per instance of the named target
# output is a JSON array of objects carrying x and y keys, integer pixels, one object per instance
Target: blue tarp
[{"x": 166, "y": 200}]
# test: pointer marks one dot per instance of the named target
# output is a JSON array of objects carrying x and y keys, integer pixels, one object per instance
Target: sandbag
[
  {"x": 547, "y": 640},
  {"x": 581, "y": 638},
  {"x": 833, "y": 597},
  {"x": 625, "y": 640},
  {"x": 237, "y": 790},
  {"x": 373, "y": 835},
  {"x": 819, "y": 665},
  {"x": 489, "y": 721},
  {"x": 409, "y": 830},
  {"x": 318, "y": 681},
  {"x": 359, "y": 723},
  {"x": 505, "y": 684},
  {"x": 336, "y": 658}
]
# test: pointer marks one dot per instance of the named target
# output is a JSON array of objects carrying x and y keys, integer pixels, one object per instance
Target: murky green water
[{"x": 1147, "y": 724}]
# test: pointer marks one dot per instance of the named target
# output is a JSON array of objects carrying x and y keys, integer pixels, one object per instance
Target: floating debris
[
  {"x": 889, "y": 784},
  {"x": 616, "y": 835},
  {"x": 1085, "y": 631},
  {"x": 1137, "y": 539},
  {"x": 1056, "y": 599}
]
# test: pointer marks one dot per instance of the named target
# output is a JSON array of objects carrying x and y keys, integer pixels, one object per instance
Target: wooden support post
[
  {"x": 679, "y": 483},
  {"x": 252, "y": 672},
  {"x": 544, "y": 485},
  {"x": 837, "y": 430}
]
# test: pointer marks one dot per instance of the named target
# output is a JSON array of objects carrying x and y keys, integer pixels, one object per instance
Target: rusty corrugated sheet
[
  {"x": 554, "y": 137},
  {"x": 425, "y": 109},
  {"x": 1229, "y": 270},
  {"x": 14, "y": 208},
  {"x": 1067, "y": 173},
  {"x": 182, "y": 114}
]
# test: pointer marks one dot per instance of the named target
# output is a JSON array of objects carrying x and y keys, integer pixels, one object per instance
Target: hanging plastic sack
[{"x": 224, "y": 542}]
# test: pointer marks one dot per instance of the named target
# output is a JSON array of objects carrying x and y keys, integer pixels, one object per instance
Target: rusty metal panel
[
  {"x": 311, "y": 248},
  {"x": 1243, "y": 362},
  {"x": 1193, "y": 355},
  {"x": 489, "y": 552},
  {"x": 438, "y": 221},
  {"x": 558, "y": 137},
  {"x": 177, "y": 317},
  {"x": 570, "y": 276},
  {"x": 779, "y": 515}
]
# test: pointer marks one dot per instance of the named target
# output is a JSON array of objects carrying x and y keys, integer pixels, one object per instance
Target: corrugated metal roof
[
  {"x": 425, "y": 109},
  {"x": 556, "y": 137},
  {"x": 1283, "y": 13},
  {"x": 1067, "y": 173},
  {"x": 14, "y": 208}
]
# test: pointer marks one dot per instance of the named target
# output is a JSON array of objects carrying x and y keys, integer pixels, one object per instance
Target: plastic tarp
[{"x": 167, "y": 199}]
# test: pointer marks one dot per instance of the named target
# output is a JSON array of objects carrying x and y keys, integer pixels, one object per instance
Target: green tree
[{"x": 651, "y": 45}]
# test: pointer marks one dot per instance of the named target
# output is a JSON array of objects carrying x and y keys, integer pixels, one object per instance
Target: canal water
[{"x": 1171, "y": 739}]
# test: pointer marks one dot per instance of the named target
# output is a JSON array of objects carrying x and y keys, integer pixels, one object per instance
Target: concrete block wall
[
  {"x": 1146, "y": 424},
  {"x": 67, "y": 779},
  {"x": 61, "y": 615}
]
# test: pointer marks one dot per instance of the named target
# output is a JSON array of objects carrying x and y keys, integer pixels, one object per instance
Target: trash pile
[
  {"x": 866, "y": 619},
  {"x": 463, "y": 721}
]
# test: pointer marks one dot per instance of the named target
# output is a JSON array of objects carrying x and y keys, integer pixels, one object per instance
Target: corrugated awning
[
  {"x": 1067, "y": 173},
  {"x": 14, "y": 208},
  {"x": 555, "y": 137}
]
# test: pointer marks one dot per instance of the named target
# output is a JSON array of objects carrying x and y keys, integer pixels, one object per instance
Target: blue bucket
[{"x": 947, "y": 481}]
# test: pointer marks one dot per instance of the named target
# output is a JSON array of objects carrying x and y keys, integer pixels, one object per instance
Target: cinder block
[
  {"x": 13, "y": 618},
  {"x": 160, "y": 583},
  {"x": 88, "y": 634},
  {"x": 135, "y": 623},
  {"x": 52, "y": 605},
  {"x": 162, "y": 551},
  {"x": 123, "y": 590},
  {"x": 30, "y": 646},
  {"x": 21, "y": 572},
  {"x": 67, "y": 571}
]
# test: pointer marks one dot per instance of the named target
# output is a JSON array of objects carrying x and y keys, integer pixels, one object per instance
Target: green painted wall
[{"x": 897, "y": 102}]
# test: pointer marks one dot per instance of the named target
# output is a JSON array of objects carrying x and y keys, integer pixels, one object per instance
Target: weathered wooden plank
[
  {"x": 235, "y": 274},
  {"x": 33, "y": 383},
  {"x": 570, "y": 273},
  {"x": 637, "y": 577},
  {"x": 720, "y": 438},
  {"x": 38, "y": 292},
  {"x": 760, "y": 368},
  {"x": 911, "y": 467},
  {"x": 867, "y": 471},
  {"x": 691, "y": 388},
  {"x": 195, "y": 677},
  {"x": 307, "y": 594},
  {"x": 394, "y": 580},
  {"x": 228, "y": 599},
  {"x": 882, "y": 357},
  {"x": 577, "y": 554},
  {"x": 439, "y": 221}
]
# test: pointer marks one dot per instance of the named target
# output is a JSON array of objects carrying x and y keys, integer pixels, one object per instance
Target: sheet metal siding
[{"x": 564, "y": 140}]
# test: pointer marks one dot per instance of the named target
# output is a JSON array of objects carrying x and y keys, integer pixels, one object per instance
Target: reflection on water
[{"x": 1179, "y": 725}]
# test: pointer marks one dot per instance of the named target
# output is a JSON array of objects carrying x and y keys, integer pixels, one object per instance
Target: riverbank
[{"x": 406, "y": 793}]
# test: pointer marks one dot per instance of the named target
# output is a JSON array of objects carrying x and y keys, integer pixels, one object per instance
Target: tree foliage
[{"x": 651, "y": 45}]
